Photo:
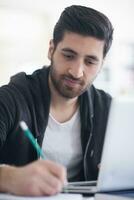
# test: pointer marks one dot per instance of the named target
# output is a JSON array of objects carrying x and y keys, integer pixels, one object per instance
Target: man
[{"x": 65, "y": 112}]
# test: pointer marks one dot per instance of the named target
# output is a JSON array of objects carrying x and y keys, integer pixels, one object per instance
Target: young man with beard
[{"x": 65, "y": 112}]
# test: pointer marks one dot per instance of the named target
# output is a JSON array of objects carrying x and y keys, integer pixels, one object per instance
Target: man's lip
[
  {"x": 71, "y": 83},
  {"x": 72, "y": 80}
]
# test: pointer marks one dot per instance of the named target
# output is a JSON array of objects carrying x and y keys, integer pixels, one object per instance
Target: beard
[{"x": 60, "y": 83}]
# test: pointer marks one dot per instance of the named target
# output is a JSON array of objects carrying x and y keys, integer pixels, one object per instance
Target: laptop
[{"x": 117, "y": 162}]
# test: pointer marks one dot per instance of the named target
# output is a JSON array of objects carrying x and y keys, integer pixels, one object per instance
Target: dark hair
[{"x": 85, "y": 21}]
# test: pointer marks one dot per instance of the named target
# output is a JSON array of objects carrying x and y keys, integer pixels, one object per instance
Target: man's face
[{"x": 75, "y": 63}]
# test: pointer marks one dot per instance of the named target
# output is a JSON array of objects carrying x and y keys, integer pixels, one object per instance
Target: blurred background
[{"x": 26, "y": 27}]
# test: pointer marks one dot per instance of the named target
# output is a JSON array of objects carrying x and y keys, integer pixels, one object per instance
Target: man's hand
[{"x": 42, "y": 177}]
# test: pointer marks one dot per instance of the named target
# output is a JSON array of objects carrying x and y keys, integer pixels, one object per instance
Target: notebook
[{"x": 117, "y": 162}]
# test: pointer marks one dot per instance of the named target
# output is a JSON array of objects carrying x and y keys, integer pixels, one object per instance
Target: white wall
[
  {"x": 26, "y": 28},
  {"x": 23, "y": 41}
]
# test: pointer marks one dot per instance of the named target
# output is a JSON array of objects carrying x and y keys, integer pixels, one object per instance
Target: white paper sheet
[{"x": 56, "y": 197}]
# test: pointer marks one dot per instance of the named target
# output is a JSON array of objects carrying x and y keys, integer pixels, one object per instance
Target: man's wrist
[{"x": 6, "y": 176}]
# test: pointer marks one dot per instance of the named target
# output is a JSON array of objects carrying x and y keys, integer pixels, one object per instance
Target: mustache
[{"x": 70, "y": 77}]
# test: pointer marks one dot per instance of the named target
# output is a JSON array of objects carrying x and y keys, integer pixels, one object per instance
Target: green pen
[{"x": 29, "y": 135}]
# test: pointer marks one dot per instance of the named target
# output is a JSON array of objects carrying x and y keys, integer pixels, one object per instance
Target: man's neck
[{"x": 61, "y": 108}]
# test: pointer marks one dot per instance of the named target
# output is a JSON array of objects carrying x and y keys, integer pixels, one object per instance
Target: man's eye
[
  {"x": 90, "y": 62},
  {"x": 68, "y": 56}
]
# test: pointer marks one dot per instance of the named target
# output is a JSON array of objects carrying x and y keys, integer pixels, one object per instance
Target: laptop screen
[{"x": 117, "y": 163}]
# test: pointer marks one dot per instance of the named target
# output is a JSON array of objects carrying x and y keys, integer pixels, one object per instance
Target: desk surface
[
  {"x": 68, "y": 197},
  {"x": 113, "y": 197}
]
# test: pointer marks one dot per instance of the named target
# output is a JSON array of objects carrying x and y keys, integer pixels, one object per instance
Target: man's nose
[{"x": 77, "y": 70}]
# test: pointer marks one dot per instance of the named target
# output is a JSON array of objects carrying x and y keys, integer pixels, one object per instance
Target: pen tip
[{"x": 23, "y": 125}]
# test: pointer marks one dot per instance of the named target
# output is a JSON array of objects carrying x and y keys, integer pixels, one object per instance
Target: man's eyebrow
[
  {"x": 69, "y": 50},
  {"x": 92, "y": 57}
]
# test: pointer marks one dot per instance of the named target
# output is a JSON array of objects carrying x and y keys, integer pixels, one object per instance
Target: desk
[
  {"x": 68, "y": 197},
  {"x": 112, "y": 197}
]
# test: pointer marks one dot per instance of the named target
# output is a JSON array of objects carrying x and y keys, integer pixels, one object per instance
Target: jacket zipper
[{"x": 85, "y": 155}]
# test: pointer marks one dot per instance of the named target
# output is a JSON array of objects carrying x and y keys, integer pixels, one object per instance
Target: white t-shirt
[{"x": 62, "y": 143}]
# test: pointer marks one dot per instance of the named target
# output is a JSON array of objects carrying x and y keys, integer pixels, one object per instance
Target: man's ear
[{"x": 50, "y": 50}]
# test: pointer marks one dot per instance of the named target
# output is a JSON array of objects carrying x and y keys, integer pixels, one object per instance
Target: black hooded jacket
[{"x": 27, "y": 97}]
